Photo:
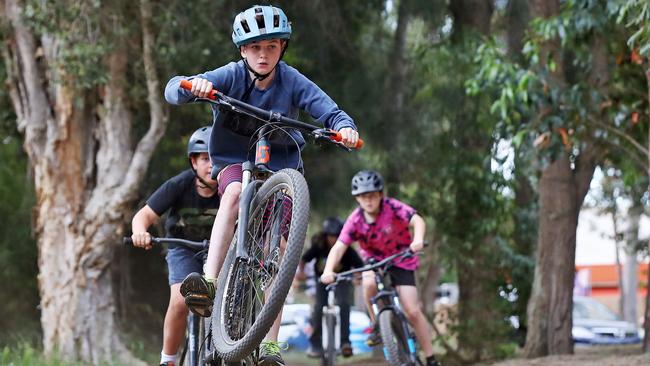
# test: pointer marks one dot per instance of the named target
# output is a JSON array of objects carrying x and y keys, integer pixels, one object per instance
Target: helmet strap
[
  {"x": 259, "y": 76},
  {"x": 202, "y": 182}
]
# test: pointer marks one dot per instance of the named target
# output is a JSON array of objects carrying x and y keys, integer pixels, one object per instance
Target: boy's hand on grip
[
  {"x": 349, "y": 137},
  {"x": 327, "y": 277}
]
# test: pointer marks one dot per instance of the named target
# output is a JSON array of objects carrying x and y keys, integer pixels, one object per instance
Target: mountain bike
[
  {"x": 331, "y": 320},
  {"x": 271, "y": 227},
  {"x": 396, "y": 334},
  {"x": 197, "y": 348}
]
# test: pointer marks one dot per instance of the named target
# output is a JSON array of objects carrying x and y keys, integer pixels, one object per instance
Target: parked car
[
  {"x": 594, "y": 323},
  {"x": 296, "y": 328}
]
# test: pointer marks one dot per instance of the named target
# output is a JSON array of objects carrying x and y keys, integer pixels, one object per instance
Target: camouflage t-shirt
[
  {"x": 386, "y": 236},
  {"x": 190, "y": 215}
]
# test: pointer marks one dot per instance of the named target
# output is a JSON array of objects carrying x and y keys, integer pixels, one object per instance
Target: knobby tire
[
  {"x": 394, "y": 339},
  {"x": 242, "y": 313},
  {"x": 329, "y": 354}
]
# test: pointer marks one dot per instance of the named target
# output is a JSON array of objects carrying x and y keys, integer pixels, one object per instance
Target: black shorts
[{"x": 401, "y": 277}]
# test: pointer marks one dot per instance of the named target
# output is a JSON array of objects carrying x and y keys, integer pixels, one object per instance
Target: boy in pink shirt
[{"x": 381, "y": 227}]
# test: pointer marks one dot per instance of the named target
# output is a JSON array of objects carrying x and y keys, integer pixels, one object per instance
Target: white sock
[{"x": 166, "y": 358}]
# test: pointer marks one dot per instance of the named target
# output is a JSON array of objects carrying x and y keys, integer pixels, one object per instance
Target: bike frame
[{"x": 387, "y": 298}]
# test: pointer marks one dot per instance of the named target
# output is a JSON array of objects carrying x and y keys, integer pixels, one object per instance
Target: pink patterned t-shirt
[{"x": 388, "y": 235}]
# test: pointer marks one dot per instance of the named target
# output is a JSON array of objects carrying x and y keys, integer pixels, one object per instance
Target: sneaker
[
  {"x": 198, "y": 294},
  {"x": 431, "y": 361},
  {"x": 313, "y": 352},
  {"x": 346, "y": 350},
  {"x": 270, "y": 353},
  {"x": 374, "y": 339},
  {"x": 168, "y": 363}
]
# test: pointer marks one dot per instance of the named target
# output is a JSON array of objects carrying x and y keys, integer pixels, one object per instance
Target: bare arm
[
  {"x": 333, "y": 259},
  {"x": 139, "y": 225},
  {"x": 300, "y": 274},
  {"x": 419, "y": 228}
]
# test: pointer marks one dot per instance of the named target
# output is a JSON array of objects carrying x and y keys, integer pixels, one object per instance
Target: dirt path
[{"x": 584, "y": 356}]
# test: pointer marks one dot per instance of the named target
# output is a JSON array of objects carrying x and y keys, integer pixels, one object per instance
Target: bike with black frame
[
  {"x": 197, "y": 348},
  {"x": 398, "y": 339},
  {"x": 271, "y": 227}
]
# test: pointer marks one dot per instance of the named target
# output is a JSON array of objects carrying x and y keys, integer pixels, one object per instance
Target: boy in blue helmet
[
  {"x": 191, "y": 200},
  {"x": 261, "y": 34}
]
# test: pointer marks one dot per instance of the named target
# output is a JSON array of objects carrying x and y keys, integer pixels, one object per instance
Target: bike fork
[{"x": 244, "y": 201}]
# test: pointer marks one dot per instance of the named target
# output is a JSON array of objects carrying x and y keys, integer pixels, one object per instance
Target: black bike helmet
[
  {"x": 332, "y": 226},
  {"x": 367, "y": 181}
]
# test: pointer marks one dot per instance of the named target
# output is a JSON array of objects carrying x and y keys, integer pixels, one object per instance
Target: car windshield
[{"x": 590, "y": 309}]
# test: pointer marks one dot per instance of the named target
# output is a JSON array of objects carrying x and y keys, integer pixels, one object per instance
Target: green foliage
[
  {"x": 18, "y": 251},
  {"x": 24, "y": 354},
  {"x": 76, "y": 26},
  {"x": 634, "y": 14}
]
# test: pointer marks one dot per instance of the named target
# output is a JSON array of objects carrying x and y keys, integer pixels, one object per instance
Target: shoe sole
[{"x": 195, "y": 292}]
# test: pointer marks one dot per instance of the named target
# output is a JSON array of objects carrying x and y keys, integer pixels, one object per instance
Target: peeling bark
[{"x": 85, "y": 175}]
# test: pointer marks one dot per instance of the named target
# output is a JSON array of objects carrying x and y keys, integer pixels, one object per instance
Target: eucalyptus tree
[
  {"x": 67, "y": 66},
  {"x": 566, "y": 95}
]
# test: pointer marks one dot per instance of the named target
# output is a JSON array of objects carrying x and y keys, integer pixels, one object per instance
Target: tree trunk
[
  {"x": 562, "y": 189},
  {"x": 619, "y": 264},
  {"x": 471, "y": 15},
  {"x": 550, "y": 307},
  {"x": 80, "y": 150},
  {"x": 430, "y": 279},
  {"x": 630, "y": 280},
  {"x": 395, "y": 82}
]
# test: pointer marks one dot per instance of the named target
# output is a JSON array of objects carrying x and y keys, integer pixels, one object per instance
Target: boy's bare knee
[
  {"x": 369, "y": 286},
  {"x": 412, "y": 314},
  {"x": 230, "y": 197}
]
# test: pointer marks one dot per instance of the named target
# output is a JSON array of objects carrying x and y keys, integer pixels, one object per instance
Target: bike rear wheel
[
  {"x": 250, "y": 294},
  {"x": 395, "y": 339}
]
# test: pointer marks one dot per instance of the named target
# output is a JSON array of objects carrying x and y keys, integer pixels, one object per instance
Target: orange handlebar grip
[
  {"x": 338, "y": 138},
  {"x": 187, "y": 85}
]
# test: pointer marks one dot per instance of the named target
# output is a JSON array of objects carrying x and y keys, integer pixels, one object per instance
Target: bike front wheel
[
  {"x": 395, "y": 339},
  {"x": 329, "y": 353},
  {"x": 250, "y": 292}
]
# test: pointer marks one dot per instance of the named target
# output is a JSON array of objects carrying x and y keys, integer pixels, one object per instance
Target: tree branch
[
  {"x": 622, "y": 134},
  {"x": 158, "y": 116},
  {"x": 33, "y": 108}
]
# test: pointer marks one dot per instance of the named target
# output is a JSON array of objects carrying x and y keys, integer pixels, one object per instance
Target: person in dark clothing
[
  {"x": 192, "y": 202},
  {"x": 321, "y": 243}
]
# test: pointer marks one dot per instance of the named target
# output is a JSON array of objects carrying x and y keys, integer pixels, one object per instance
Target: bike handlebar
[
  {"x": 194, "y": 245},
  {"x": 219, "y": 98},
  {"x": 346, "y": 276}
]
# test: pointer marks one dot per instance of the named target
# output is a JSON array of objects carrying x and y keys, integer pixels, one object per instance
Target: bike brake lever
[{"x": 322, "y": 134}]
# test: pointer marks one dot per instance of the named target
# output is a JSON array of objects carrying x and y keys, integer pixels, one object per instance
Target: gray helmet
[
  {"x": 367, "y": 181},
  {"x": 332, "y": 226},
  {"x": 199, "y": 141}
]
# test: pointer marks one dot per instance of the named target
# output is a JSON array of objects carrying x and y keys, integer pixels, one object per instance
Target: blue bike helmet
[{"x": 260, "y": 22}]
